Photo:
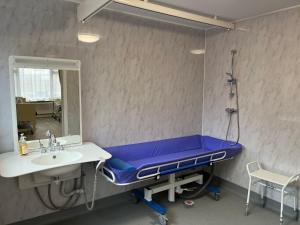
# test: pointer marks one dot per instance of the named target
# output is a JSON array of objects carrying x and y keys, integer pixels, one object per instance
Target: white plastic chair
[{"x": 274, "y": 181}]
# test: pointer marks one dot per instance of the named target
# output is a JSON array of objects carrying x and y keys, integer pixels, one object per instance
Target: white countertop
[{"x": 14, "y": 165}]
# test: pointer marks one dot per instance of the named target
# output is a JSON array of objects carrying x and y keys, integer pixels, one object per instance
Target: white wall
[
  {"x": 268, "y": 73},
  {"x": 140, "y": 83}
]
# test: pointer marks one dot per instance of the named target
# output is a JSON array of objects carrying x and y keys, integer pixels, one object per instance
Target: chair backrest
[{"x": 26, "y": 112}]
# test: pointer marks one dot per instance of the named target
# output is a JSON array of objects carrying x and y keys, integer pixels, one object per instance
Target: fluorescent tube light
[
  {"x": 197, "y": 51},
  {"x": 88, "y": 37}
]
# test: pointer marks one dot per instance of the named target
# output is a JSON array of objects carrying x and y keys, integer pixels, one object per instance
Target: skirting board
[{"x": 255, "y": 200}]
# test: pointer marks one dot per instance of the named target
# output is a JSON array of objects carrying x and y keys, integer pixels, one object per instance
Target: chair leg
[
  {"x": 296, "y": 203},
  {"x": 262, "y": 195},
  {"x": 296, "y": 206},
  {"x": 248, "y": 197},
  {"x": 281, "y": 206},
  {"x": 295, "y": 200}
]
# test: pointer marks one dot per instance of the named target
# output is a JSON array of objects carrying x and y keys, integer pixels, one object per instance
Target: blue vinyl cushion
[
  {"x": 120, "y": 165},
  {"x": 128, "y": 160}
]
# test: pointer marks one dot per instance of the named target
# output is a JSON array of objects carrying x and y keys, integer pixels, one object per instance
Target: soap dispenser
[{"x": 23, "y": 146}]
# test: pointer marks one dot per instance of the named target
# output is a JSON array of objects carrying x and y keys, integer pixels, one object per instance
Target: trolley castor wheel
[
  {"x": 163, "y": 220},
  {"x": 217, "y": 196}
]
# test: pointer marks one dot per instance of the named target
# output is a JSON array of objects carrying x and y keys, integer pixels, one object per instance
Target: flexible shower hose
[
  {"x": 91, "y": 206},
  {"x": 237, "y": 118},
  {"x": 237, "y": 105}
]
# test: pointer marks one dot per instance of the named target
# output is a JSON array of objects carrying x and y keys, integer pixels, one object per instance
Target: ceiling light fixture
[
  {"x": 197, "y": 51},
  {"x": 88, "y": 37}
]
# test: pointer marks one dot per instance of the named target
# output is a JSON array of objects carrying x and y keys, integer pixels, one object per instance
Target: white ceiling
[
  {"x": 232, "y": 9},
  {"x": 228, "y": 9}
]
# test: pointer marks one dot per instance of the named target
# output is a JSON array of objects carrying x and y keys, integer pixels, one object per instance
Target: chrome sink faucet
[
  {"x": 53, "y": 144},
  {"x": 51, "y": 139}
]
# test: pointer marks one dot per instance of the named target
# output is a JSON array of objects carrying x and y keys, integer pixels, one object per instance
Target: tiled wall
[
  {"x": 139, "y": 82},
  {"x": 268, "y": 73}
]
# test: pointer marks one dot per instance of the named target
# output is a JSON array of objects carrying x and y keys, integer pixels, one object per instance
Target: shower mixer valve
[
  {"x": 231, "y": 110},
  {"x": 232, "y": 81}
]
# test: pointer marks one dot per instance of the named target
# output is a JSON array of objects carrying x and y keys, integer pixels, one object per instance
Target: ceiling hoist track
[{"x": 89, "y": 8}]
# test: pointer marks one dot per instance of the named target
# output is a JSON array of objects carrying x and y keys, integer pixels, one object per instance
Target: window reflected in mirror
[{"x": 47, "y": 99}]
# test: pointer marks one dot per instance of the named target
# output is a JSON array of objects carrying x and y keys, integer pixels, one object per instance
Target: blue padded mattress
[{"x": 130, "y": 163}]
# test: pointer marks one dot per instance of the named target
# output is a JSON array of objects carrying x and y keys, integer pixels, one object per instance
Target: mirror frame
[{"x": 39, "y": 63}]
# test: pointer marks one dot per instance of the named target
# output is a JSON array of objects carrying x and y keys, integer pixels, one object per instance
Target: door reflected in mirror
[{"x": 47, "y": 99}]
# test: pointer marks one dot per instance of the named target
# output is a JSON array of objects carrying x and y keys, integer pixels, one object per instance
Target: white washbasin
[{"x": 60, "y": 159}]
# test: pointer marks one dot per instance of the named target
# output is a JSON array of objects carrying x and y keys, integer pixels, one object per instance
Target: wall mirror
[{"x": 45, "y": 95}]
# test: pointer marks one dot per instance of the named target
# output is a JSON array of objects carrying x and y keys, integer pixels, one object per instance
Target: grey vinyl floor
[{"x": 206, "y": 211}]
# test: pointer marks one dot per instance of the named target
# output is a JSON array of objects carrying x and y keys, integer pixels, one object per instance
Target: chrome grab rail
[
  {"x": 177, "y": 163},
  {"x": 112, "y": 179}
]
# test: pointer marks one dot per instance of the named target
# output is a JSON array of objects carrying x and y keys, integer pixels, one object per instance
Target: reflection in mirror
[{"x": 47, "y": 99}]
